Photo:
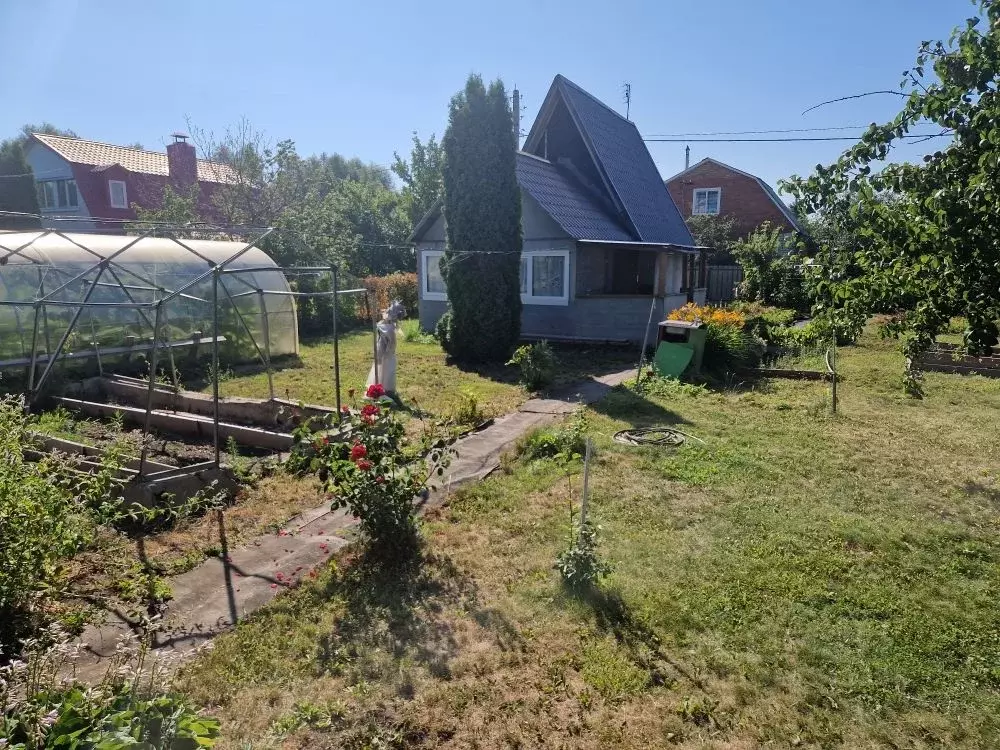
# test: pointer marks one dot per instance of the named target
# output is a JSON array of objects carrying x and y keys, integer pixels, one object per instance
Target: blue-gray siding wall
[
  {"x": 603, "y": 318},
  {"x": 46, "y": 164}
]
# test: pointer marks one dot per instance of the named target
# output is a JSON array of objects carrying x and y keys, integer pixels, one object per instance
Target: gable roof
[
  {"x": 566, "y": 201},
  {"x": 775, "y": 198},
  {"x": 630, "y": 176},
  {"x": 80, "y": 151}
]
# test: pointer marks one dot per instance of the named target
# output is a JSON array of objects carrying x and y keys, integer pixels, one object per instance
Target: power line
[
  {"x": 761, "y": 132},
  {"x": 779, "y": 140}
]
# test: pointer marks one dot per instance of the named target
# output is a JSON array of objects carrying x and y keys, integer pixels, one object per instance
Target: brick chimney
[{"x": 182, "y": 162}]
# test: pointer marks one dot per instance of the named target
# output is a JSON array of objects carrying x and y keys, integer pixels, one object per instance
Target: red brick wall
[{"x": 742, "y": 197}]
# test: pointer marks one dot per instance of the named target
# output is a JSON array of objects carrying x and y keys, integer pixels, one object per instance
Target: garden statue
[{"x": 384, "y": 369}]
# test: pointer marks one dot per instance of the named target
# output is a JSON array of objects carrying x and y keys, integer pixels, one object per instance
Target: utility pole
[
  {"x": 516, "y": 106},
  {"x": 628, "y": 98}
]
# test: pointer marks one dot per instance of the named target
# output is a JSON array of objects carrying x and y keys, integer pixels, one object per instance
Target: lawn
[
  {"x": 424, "y": 379},
  {"x": 797, "y": 579}
]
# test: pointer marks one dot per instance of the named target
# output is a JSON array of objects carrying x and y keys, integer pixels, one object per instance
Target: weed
[
  {"x": 468, "y": 411},
  {"x": 537, "y": 363},
  {"x": 412, "y": 333}
]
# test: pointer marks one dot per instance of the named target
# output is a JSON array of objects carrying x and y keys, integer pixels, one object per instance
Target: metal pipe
[
  {"x": 34, "y": 349},
  {"x": 371, "y": 307},
  {"x": 215, "y": 270},
  {"x": 149, "y": 393},
  {"x": 246, "y": 327},
  {"x": 53, "y": 356},
  {"x": 215, "y": 363},
  {"x": 267, "y": 344},
  {"x": 102, "y": 264},
  {"x": 336, "y": 346},
  {"x": 281, "y": 293},
  {"x": 283, "y": 269}
]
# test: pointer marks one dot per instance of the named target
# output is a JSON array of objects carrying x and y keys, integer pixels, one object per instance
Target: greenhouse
[{"x": 87, "y": 296}]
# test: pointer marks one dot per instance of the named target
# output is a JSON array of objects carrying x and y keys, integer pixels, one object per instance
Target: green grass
[
  {"x": 798, "y": 579},
  {"x": 424, "y": 379}
]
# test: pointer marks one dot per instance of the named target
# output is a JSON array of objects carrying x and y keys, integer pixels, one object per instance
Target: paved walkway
[{"x": 211, "y": 597}]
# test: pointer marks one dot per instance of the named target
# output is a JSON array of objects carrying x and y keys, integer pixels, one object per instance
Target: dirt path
[{"x": 210, "y": 598}]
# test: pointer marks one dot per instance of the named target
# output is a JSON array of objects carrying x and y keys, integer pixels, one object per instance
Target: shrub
[
  {"x": 442, "y": 331},
  {"x": 565, "y": 441},
  {"x": 369, "y": 475},
  {"x": 772, "y": 324},
  {"x": 482, "y": 203},
  {"x": 580, "y": 565},
  {"x": 128, "y": 709},
  {"x": 385, "y": 289},
  {"x": 468, "y": 411},
  {"x": 729, "y": 348},
  {"x": 771, "y": 274},
  {"x": 538, "y": 364}
]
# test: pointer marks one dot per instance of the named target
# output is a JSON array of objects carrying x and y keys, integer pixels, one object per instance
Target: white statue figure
[{"x": 385, "y": 349}]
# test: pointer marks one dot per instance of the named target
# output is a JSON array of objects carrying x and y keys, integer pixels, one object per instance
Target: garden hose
[{"x": 663, "y": 436}]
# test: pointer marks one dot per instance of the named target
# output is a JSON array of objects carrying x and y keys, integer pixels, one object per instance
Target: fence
[{"x": 722, "y": 281}]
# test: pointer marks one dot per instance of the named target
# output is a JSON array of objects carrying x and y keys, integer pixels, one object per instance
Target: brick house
[
  {"x": 711, "y": 187},
  {"x": 81, "y": 182}
]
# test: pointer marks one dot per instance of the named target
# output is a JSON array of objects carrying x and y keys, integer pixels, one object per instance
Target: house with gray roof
[{"x": 603, "y": 240}]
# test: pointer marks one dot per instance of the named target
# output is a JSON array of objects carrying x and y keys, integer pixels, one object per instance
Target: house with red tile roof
[{"x": 87, "y": 185}]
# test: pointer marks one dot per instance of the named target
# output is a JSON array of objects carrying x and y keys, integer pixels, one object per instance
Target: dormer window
[{"x": 119, "y": 196}]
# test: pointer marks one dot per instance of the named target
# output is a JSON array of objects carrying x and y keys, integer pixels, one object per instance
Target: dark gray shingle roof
[
  {"x": 566, "y": 201},
  {"x": 628, "y": 167}
]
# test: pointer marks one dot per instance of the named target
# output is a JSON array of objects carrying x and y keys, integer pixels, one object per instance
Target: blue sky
[{"x": 359, "y": 77}]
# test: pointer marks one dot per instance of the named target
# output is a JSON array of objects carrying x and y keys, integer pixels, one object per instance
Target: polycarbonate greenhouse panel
[{"x": 120, "y": 270}]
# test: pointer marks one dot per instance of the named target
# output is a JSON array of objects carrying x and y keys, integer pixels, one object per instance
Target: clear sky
[{"x": 359, "y": 77}]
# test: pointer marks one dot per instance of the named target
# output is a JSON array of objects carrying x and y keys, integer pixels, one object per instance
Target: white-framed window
[
  {"x": 432, "y": 286},
  {"x": 119, "y": 196},
  {"x": 54, "y": 194},
  {"x": 706, "y": 201},
  {"x": 545, "y": 277}
]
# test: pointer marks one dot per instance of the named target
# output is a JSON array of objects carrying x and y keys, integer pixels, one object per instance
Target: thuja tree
[
  {"x": 482, "y": 207},
  {"x": 925, "y": 237}
]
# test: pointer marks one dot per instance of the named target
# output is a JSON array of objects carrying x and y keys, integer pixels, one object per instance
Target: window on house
[
  {"x": 633, "y": 271},
  {"x": 545, "y": 277},
  {"x": 119, "y": 198},
  {"x": 707, "y": 201},
  {"x": 433, "y": 286},
  {"x": 54, "y": 194}
]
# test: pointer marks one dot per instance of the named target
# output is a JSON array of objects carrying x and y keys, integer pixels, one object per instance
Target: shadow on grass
[
  {"x": 987, "y": 492},
  {"x": 613, "y": 615},
  {"x": 576, "y": 363},
  {"x": 625, "y": 404},
  {"x": 405, "y": 609}
]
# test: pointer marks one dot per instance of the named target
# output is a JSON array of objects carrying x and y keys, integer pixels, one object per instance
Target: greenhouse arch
[{"x": 68, "y": 295}]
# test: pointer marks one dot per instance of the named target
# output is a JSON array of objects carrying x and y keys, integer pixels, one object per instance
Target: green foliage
[
  {"x": 395, "y": 286},
  {"x": 412, "y": 333},
  {"x": 370, "y": 475},
  {"x": 771, "y": 274},
  {"x": 537, "y": 363},
  {"x": 468, "y": 411},
  {"x": 729, "y": 348},
  {"x": 566, "y": 440},
  {"x": 716, "y": 232},
  {"x": 44, "y": 517},
  {"x": 127, "y": 709},
  {"x": 580, "y": 565},
  {"x": 421, "y": 177},
  {"x": 442, "y": 330},
  {"x": 771, "y": 324},
  {"x": 926, "y": 234},
  {"x": 175, "y": 208},
  {"x": 482, "y": 207}
]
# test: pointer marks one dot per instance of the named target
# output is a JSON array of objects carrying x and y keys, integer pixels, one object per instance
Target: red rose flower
[
  {"x": 326, "y": 441},
  {"x": 368, "y": 419},
  {"x": 363, "y": 464},
  {"x": 345, "y": 409},
  {"x": 369, "y": 410},
  {"x": 375, "y": 390},
  {"x": 358, "y": 451},
  {"x": 380, "y": 480}
]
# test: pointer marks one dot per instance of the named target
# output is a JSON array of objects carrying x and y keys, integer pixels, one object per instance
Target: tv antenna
[{"x": 628, "y": 97}]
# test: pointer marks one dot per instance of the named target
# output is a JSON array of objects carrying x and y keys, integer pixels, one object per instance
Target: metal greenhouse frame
[{"x": 110, "y": 273}]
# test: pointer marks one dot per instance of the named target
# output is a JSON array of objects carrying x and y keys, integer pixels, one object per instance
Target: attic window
[
  {"x": 119, "y": 196},
  {"x": 706, "y": 201}
]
